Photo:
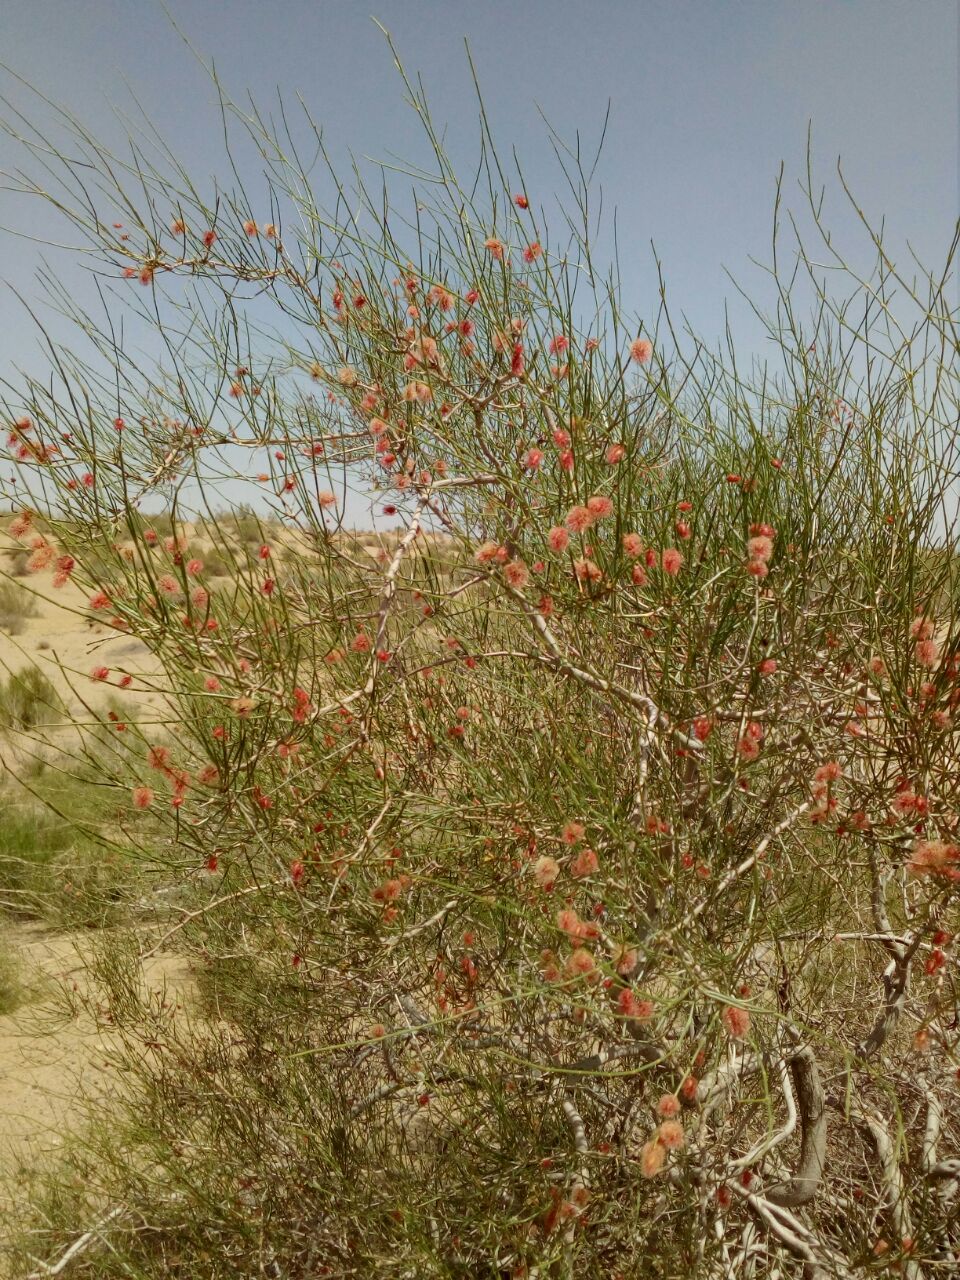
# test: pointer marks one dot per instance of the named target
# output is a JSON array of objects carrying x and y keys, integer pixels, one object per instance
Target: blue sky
[{"x": 707, "y": 98}]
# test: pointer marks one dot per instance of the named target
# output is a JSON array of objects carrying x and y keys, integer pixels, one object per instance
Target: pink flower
[
  {"x": 580, "y": 964},
  {"x": 517, "y": 573},
  {"x": 672, "y": 561},
  {"x": 441, "y": 296},
  {"x": 486, "y": 553},
  {"x": 326, "y": 498},
  {"x": 702, "y": 727},
  {"x": 579, "y": 519},
  {"x": 568, "y": 920},
  {"x": 927, "y": 653},
  {"x": 142, "y": 797},
  {"x": 931, "y": 856},
  {"x": 416, "y": 391},
  {"x": 633, "y": 545},
  {"x": 584, "y": 864},
  {"x": 558, "y": 538},
  {"x": 533, "y": 459},
  {"x": 641, "y": 350},
  {"x": 100, "y": 673},
  {"x": 669, "y": 1105},
  {"x": 545, "y": 871},
  {"x": 599, "y": 506},
  {"x": 653, "y": 1155},
  {"x": 572, "y": 833},
  {"x": 760, "y": 548},
  {"x": 828, "y": 772},
  {"x": 736, "y": 1021},
  {"x": 20, "y": 524},
  {"x": 670, "y": 1134},
  {"x": 629, "y": 1005},
  {"x": 616, "y": 453},
  {"x": 587, "y": 570},
  {"x": 494, "y": 247},
  {"x": 559, "y": 344}
]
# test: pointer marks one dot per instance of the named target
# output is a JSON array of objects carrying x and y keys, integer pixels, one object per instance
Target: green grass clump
[
  {"x": 52, "y": 870},
  {"x": 28, "y": 699},
  {"x": 16, "y": 605},
  {"x": 12, "y": 989}
]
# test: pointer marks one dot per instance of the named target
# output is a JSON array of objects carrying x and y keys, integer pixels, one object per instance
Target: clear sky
[{"x": 707, "y": 97}]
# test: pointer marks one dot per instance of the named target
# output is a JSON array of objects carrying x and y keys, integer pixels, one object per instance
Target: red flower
[
  {"x": 142, "y": 797},
  {"x": 736, "y": 1021}
]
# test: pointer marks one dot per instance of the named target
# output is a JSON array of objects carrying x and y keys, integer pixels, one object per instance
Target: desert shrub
[
  {"x": 51, "y": 869},
  {"x": 244, "y": 526},
  {"x": 28, "y": 699},
  {"x": 18, "y": 562},
  {"x": 572, "y": 894},
  {"x": 12, "y": 988},
  {"x": 16, "y": 605}
]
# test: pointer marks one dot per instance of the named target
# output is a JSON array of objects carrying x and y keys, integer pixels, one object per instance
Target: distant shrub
[
  {"x": 28, "y": 698},
  {"x": 16, "y": 605},
  {"x": 18, "y": 562},
  {"x": 51, "y": 869},
  {"x": 12, "y": 990}
]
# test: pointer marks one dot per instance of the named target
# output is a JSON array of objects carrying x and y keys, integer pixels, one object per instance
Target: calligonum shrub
[{"x": 572, "y": 868}]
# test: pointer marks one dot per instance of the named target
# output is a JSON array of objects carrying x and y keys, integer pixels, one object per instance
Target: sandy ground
[
  {"x": 65, "y": 640},
  {"x": 65, "y": 643},
  {"x": 51, "y": 1061}
]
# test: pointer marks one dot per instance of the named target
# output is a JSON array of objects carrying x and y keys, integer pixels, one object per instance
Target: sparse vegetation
[
  {"x": 570, "y": 884},
  {"x": 16, "y": 605},
  {"x": 51, "y": 868},
  {"x": 28, "y": 699},
  {"x": 12, "y": 989}
]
